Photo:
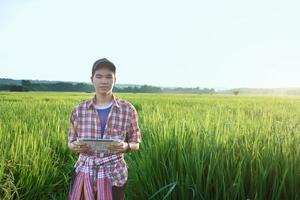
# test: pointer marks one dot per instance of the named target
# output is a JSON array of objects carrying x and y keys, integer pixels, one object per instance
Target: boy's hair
[{"x": 103, "y": 63}]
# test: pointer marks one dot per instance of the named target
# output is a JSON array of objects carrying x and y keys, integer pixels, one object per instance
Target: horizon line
[{"x": 217, "y": 87}]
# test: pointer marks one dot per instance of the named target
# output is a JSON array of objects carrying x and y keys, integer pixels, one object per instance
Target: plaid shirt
[{"x": 122, "y": 124}]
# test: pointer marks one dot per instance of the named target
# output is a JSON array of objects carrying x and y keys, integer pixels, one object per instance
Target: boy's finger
[
  {"x": 75, "y": 125},
  {"x": 117, "y": 144}
]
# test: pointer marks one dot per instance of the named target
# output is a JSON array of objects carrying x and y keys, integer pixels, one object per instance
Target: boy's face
[{"x": 103, "y": 81}]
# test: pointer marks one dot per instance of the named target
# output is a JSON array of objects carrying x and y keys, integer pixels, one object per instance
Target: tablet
[{"x": 100, "y": 145}]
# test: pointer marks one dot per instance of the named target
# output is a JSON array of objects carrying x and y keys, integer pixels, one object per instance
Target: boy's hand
[
  {"x": 79, "y": 147},
  {"x": 118, "y": 147}
]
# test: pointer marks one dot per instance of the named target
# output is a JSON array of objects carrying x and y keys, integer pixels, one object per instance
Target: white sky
[{"x": 219, "y": 44}]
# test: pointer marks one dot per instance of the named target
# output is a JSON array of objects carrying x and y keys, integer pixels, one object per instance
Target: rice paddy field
[{"x": 193, "y": 147}]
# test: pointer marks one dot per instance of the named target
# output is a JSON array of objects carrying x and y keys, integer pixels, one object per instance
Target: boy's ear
[{"x": 91, "y": 79}]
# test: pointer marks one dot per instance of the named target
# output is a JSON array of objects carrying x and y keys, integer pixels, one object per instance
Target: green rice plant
[{"x": 193, "y": 147}]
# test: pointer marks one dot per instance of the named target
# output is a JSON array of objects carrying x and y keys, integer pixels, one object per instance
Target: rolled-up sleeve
[
  {"x": 134, "y": 132},
  {"x": 72, "y": 136}
]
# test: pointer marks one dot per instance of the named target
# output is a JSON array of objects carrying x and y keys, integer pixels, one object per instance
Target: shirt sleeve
[
  {"x": 134, "y": 133},
  {"x": 72, "y": 136}
]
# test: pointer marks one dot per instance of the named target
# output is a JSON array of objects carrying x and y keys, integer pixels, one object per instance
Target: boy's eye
[{"x": 107, "y": 77}]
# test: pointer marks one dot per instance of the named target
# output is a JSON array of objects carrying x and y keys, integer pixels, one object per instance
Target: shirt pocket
[
  {"x": 119, "y": 134},
  {"x": 88, "y": 128}
]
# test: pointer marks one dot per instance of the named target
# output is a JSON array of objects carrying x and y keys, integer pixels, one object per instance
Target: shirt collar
[{"x": 93, "y": 102}]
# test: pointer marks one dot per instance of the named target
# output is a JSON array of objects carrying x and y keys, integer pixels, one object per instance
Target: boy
[{"x": 102, "y": 175}]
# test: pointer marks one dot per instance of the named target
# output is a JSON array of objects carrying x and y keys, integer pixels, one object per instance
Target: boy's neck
[{"x": 104, "y": 99}]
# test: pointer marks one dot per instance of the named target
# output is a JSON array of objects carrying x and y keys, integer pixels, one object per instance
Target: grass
[{"x": 193, "y": 147}]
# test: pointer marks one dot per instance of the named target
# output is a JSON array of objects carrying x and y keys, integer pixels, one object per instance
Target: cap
[{"x": 103, "y": 63}]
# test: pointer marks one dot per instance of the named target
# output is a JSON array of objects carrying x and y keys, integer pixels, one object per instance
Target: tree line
[{"x": 27, "y": 85}]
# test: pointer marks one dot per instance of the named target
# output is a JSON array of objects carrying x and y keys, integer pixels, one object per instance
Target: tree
[
  {"x": 17, "y": 88},
  {"x": 26, "y": 84}
]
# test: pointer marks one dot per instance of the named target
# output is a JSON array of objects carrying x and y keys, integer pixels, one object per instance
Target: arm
[
  {"x": 73, "y": 144},
  {"x": 124, "y": 147},
  {"x": 133, "y": 136},
  {"x": 134, "y": 133},
  {"x": 134, "y": 146}
]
